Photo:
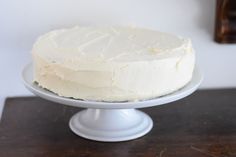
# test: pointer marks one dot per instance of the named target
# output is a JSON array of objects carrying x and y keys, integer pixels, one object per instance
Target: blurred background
[{"x": 21, "y": 22}]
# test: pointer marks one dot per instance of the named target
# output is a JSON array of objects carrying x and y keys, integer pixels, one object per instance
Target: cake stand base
[{"x": 111, "y": 125}]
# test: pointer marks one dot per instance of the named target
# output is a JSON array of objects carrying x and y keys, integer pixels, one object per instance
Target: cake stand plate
[{"x": 110, "y": 121}]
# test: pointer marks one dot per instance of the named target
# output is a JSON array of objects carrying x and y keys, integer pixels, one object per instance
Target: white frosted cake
[{"x": 112, "y": 63}]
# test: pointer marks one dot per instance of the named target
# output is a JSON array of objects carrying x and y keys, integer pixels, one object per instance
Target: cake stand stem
[{"x": 111, "y": 125}]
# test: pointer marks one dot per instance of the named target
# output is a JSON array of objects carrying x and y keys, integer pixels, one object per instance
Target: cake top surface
[{"x": 109, "y": 44}]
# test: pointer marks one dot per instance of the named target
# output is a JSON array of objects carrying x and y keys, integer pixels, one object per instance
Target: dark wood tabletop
[{"x": 201, "y": 125}]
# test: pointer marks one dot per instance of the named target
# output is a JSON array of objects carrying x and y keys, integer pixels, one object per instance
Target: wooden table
[{"x": 201, "y": 125}]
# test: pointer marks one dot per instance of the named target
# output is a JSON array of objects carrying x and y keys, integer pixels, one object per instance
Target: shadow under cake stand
[{"x": 110, "y": 121}]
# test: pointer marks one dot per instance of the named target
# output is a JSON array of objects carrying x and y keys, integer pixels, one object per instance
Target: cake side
[{"x": 150, "y": 73}]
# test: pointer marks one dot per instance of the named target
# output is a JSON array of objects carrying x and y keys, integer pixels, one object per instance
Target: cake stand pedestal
[
  {"x": 110, "y": 121},
  {"x": 111, "y": 124}
]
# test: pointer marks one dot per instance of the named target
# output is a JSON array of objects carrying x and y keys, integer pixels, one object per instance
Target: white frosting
[{"x": 112, "y": 63}]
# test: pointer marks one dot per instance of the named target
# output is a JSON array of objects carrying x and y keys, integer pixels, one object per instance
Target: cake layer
[{"x": 112, "y": 63}]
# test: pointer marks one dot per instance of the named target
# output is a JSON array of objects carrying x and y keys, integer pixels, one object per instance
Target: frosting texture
[{"x": 112, "y": 63}]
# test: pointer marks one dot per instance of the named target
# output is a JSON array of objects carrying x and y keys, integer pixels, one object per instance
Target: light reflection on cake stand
[{"x": 110, "y": 121}]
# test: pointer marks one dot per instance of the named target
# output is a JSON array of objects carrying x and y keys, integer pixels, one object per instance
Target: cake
[{"x": 112, "y": 63}]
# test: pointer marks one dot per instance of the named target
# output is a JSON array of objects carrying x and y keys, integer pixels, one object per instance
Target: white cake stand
[{"x": 110, "y": 121}]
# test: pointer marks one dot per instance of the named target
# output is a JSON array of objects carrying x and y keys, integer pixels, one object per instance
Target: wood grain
[
  {"x": 201, "y": 125},
  {"x": 225, "y": 21}
]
